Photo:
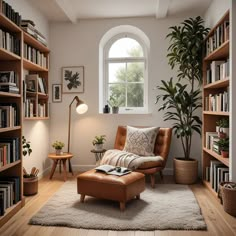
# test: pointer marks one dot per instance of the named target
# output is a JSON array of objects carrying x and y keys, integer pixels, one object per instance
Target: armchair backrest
[{"x": 162, "y": 144}]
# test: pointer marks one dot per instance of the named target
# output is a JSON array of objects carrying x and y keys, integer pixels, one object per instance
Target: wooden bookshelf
[
  {"x": 9, "y": 61},
  {"x": 213, "y": 89}
]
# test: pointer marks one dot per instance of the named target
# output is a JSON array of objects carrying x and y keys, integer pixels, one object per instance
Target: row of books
[
  {"x": 217, "y": 173},
  {"x": 34, "y": 55},
  {"x": 10, "y": 13},
  {"x": 217, "y": 102},
  {"x": 31, "y": 111},
  {"x": 35, "y": 83},
  {"x": 211, "y": 138},
  {"x": 221, "y": 35},
  {"x": 10, "y": 42},
  {"x": 9, "y": 192},
  {"x": 9, "y": 82},
  {"x": 9, "y": 150},
  {"x": 218, "y": 70},
  {"x": 9, "y": 115}
]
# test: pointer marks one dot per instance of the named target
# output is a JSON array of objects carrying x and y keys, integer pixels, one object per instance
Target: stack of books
[
  {"x": 29, "y": 27},
  {"x": 9, "y": 82}
]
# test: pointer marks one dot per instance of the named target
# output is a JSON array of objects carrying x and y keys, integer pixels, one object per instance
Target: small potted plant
[
  {"x": 224, "y": 127},
  {"x": 98, "y": 141},
  {"x": 223, "y": 144},
  {"x": 30, "y": 181},
  {"x": 58, "y": 145},
  {"x": 114, "y": 103}
]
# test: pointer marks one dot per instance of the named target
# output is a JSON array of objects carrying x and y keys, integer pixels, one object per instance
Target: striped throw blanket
[{"x": 126, "y": 159}]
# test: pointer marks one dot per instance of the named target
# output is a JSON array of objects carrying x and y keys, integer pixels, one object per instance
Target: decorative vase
[
  {"x": 30, "y": 186},
  {"x": 98, "y": 146},
  {"x": 185, "y": 171},
  {"x": 115, "y": 110},
  {"x": 58, "y": 151}
]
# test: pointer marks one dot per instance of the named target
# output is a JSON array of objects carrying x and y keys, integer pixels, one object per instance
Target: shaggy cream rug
[{"x": 168, "y": 206}]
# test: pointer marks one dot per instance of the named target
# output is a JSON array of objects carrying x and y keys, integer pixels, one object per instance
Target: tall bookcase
[
  {"x": 9, "y": 61},
  {"x": 14, "y": 50},
  {"x": 216, "y": 82}
]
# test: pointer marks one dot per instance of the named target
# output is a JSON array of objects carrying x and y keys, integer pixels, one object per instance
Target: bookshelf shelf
[
  {"x": 217, "y": 156},
  {"x": 10, "y": 129},
  {"x": 219, "y": 53},
  {"x": 36, "y": 118},
  {"x": 3, "y": 168},
  {"x": 28, "y": 65},
  {"x": 215, "y": 168},
  {"x": 4, "y": 21},
  {"x": 208, "y": 185},
  {"x": 218, "y": 84},
  {"x": 35, "y": 43},
  {"x": 6, "y": 55},
  {"x": 216, "y": 113},
  {"x": 5, "y": 94}
]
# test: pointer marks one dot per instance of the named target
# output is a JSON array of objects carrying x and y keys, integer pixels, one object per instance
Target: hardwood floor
[{"x": 218, "y": 222}]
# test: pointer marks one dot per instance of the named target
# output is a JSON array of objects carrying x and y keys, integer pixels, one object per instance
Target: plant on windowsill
[
  {"x": 58, "y": 145},
  {"x": 98, "y": 142},
  {"x": 114, "y": 103},
  {"x": 180, "y": 101},
  {"x": 30, "y": 181}
]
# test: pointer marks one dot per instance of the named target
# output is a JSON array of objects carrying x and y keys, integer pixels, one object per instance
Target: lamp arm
[{"x": 77, "y": 99}]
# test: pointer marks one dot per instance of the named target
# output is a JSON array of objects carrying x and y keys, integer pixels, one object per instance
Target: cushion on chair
[{"x": 141, "y": 141}]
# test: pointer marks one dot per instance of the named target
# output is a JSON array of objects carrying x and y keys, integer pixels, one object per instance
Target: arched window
[{"x": 125, "y": 77}]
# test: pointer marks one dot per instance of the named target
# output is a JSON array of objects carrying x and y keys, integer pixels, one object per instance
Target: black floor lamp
[{"x": 81, "y": 108}]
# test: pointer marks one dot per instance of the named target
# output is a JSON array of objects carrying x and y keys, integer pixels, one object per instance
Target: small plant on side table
[
  {"x": 58, "y": 145},
  {"x": 98, "y": 141}
]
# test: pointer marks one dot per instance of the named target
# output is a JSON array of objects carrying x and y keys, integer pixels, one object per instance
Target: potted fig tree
[{"x": 181, "y": 99}]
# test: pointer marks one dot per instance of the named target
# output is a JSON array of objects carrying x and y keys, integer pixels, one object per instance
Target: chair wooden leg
[
  {"x": 122, "y": 206},
  {"x": 152, "y": 180},
  {"x": 82, "y": 197},
  {"x": 161, "y": 174}
]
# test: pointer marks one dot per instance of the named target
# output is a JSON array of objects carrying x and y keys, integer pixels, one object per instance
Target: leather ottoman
[{"x": 111, "y": 187}]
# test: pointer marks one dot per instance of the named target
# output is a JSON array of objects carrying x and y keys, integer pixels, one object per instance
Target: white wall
[
  {"x": 37, "y": 132},
  {"x": 75, "y": 45}
]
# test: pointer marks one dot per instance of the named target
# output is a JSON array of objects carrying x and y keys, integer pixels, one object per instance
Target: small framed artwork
[
  {"x": 56, "y": 93},
  {"x": 73, "y": 79},
  {"x": 31, "y": 84}
]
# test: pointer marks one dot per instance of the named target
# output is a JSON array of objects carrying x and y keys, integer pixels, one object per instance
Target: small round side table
[
  {"x": 60, "y": 158},
  {"x": 98, "y": 155}
]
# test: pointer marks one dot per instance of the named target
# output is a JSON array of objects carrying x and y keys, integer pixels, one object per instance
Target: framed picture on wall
[
  {"x": 56, "y": 93},
  {"x": 73, "y": 79}
]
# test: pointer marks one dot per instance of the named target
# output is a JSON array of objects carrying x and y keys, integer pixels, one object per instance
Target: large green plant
[{"x": 180, "y": 100}]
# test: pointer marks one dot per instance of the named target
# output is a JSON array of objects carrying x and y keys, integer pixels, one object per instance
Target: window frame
[{"x": 107, "y": 61}]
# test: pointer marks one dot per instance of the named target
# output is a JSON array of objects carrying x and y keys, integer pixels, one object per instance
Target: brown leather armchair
[{"x": 161, "y": 148}]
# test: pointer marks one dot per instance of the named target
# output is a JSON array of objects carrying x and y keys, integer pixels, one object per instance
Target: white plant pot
[
  {"x": 226, "y": 131},
  {"x": 217, "y": 129},
  {"x": 98, "y": 147}
]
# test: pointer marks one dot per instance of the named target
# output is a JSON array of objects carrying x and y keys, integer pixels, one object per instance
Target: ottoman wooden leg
[
  {"x": 122, "y": 206},
  {"x": 82, "y": 197}
]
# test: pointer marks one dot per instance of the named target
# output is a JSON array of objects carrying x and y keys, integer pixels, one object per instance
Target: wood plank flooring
[{"x": 218, "y": 222}]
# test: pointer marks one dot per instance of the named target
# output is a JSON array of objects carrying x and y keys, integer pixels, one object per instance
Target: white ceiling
[{"x": 74, "y": 10}]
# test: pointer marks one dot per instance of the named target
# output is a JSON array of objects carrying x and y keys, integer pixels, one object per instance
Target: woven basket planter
[
  {"x": 30, "y": 186},
  {"x": 228, "y": 198},
  {"x": 185, "y": 171}
]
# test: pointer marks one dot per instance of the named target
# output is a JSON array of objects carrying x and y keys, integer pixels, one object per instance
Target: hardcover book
[{"x": 113, "y": 170}]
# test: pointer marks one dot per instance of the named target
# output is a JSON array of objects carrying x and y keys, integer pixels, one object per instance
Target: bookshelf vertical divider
[{"x": 216, "y": 82}]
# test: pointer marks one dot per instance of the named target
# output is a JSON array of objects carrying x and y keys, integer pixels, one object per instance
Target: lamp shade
[{"x": 81, "y": 107}]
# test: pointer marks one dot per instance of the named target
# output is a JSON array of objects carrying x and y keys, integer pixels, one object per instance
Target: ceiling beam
[
  {"x": 67, "y": 9},
  {"x": 162, "y": 8}
]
